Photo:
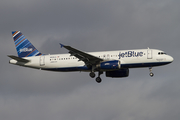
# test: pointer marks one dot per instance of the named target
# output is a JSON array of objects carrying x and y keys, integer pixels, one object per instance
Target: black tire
[
  {"x": 98, "y": 80},
  {"x": 92, "y": 74}
]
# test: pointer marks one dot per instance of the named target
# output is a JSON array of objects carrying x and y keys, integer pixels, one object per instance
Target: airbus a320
[{"x": 114, "y": 64}]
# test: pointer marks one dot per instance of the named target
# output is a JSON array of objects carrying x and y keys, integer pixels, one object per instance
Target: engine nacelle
[
  {"x": 109, "y": 65},
  {"x": 118, "y": 73}
]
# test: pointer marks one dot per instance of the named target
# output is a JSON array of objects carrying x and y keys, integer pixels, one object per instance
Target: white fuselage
[{"x": 128, "y": 59}]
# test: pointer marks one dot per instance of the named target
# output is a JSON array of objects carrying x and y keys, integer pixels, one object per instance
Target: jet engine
[
  {"x": 109, "y": 65},
  {"x": 118, "y": 73}
]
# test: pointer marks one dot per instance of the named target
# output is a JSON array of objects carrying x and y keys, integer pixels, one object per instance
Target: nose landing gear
[{"x": 150, "y": 70}]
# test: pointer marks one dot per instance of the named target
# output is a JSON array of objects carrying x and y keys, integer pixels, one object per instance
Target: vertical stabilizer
[{"x": 23, "y": 46}]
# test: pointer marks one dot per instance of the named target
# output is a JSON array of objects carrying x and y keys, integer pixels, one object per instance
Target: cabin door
[
  {"x": 149, "y": 54},
  {"x": 42, "y": 60}
]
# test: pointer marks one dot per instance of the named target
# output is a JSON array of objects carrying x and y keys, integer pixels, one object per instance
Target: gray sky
[{"x": 91, "y": 25}]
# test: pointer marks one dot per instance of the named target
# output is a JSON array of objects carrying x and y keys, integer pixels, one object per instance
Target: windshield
[{"x": 161, "y": 53}]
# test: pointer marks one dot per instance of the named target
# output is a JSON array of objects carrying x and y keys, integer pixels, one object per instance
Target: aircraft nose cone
[{"x": 171, "y": 59}]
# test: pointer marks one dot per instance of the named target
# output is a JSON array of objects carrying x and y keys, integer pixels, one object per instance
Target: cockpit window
[{"x": 161, "y": 53}]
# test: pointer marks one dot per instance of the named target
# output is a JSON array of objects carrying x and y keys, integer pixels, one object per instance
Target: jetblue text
[{"x": 130, "y": 54}]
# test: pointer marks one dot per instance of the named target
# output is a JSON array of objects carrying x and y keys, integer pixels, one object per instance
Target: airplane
[{"x": 115, "y": 64}]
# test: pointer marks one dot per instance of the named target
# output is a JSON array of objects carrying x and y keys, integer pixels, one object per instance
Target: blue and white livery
[
  {"x": 115, "y": 64},
  {"x": 23, "y": 46}
]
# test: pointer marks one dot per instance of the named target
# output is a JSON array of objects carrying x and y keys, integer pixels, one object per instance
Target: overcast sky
[{"x": 90, "y": 25}]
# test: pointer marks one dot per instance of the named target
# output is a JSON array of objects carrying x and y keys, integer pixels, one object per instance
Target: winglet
[{"x": 61, "y": 45}]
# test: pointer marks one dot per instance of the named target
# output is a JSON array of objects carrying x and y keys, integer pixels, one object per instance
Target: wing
[{"x": 88, "y": 59}]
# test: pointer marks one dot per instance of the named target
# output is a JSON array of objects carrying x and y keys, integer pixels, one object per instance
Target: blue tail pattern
[{"x": 23, "y": 46}]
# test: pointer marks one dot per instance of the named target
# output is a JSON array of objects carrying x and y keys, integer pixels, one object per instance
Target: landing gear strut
[
  {"x": 150, "y": 70},
  {"x": 92, "y": 74},
  {"x": 98, "y": 79}
]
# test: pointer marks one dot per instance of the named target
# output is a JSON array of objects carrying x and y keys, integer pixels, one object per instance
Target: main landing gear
[
  {"x": 98, "y": 79},
  {"x": 150, "y": 70},
  {"x": 92, "y": 74}
]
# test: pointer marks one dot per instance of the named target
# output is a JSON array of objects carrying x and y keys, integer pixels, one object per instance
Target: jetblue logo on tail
[
  {"x": 23, "y": 46},
  {"x": 26, "y": 50},
  {"x": 130, "y": 54}
]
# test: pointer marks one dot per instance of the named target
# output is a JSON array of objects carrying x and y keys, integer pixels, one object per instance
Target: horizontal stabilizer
[{"x": 18, "y": 59}]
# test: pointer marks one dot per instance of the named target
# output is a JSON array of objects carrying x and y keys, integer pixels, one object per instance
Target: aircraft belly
[{"x": 139, "y": 65}]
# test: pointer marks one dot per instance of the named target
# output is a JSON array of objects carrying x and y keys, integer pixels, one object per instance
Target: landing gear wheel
[
  {"x": 92, "y": 74},
  {"x": 150, "y": 70},
  {"x": 151, "y": 74},
  {"x": 98, "y": 80}
]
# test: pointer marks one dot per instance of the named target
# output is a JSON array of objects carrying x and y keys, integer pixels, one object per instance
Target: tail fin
[{"x": 23, "y": 46}]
